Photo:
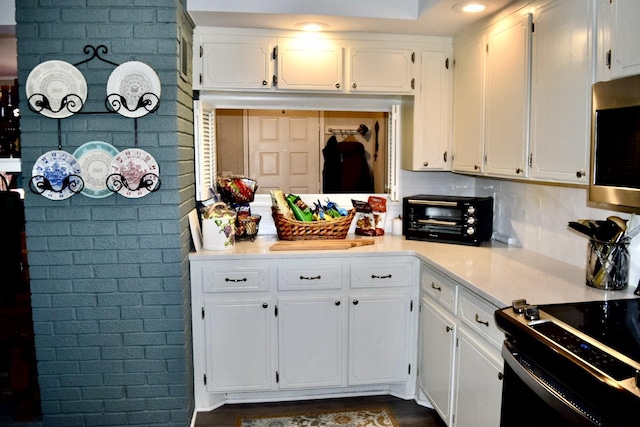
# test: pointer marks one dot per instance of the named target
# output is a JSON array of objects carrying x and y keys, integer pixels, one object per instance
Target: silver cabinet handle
[{"x": 482, "y": 322}]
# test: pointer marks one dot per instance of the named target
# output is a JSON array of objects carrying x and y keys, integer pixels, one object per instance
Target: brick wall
[{"x": 109, "y": 277}]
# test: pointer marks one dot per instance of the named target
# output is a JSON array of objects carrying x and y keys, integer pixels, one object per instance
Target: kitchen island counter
[{"x": 494, "y": 271}]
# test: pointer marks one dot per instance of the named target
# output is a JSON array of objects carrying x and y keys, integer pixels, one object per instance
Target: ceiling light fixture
[
  {"x": 469, "y": 7},
  {"x": 312, "y": 26}
]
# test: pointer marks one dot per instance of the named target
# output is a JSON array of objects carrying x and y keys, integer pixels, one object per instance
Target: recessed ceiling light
[
  {"x": 469, "y": 7},
  {"x": 312, "y": 26}
]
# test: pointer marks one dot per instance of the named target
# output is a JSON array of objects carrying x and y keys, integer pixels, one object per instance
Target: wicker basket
[{"x": 290, "y": 229}]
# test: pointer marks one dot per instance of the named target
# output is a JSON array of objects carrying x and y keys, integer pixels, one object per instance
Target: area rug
[{"x": 369, "y": 417}]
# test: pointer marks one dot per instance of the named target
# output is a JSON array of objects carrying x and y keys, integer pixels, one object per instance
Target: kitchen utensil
[
  {"x": 582, "y": 228},
  {"x": 376, "y": 128}
]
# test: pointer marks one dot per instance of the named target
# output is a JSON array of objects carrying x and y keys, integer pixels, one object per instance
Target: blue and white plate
[
  {"x": 56, "y": 166},
  {"x": 95, "y": 159}
]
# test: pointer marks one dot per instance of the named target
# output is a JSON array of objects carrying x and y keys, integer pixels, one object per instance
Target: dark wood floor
[{"x": 407, "y": 412}]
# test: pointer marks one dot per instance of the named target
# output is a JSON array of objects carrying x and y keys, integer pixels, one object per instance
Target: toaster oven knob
[
  {"x": 471, "y": 210},
  {"x": 471, "y": 231},
  {"x": 471, "y": 220}
]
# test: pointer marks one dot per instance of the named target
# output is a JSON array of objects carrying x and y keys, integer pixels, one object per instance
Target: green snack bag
[{"x": 301, "y": 211}]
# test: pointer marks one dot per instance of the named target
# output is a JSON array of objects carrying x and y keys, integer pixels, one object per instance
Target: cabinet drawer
[
  {"x": 382, "y": 273},
  {"x": 479, "y": 316},
  {"x": 310, "y": 276},
  {"x": 439, "y": 288},
  {"x": 249, "y": 279}
]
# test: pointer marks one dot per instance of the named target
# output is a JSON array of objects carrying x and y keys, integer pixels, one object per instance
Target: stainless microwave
[{"x": 615, "y": 143}]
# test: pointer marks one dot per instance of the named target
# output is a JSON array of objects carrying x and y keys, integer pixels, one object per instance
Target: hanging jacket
[
  {"x": 332, "y": 170},
  {"x": 356, "y": 174}
]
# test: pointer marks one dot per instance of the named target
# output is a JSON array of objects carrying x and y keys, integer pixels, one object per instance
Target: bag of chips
[
  {"x": 365, "y": 221},
  {"x": 379, "y": 210}
]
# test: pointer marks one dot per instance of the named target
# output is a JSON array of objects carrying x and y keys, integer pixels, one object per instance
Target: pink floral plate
[{"x": 135, "y": 173}]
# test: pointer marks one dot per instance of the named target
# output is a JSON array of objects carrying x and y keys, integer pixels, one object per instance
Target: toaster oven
[{"x": 448, "y": 219}]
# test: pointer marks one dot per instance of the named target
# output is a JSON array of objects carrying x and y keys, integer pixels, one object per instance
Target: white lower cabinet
[
  {"x": 285, "y": 328},
  {"x": 379, "y": 336},
  {"x": 460, "y": 362},
  {"x": 310, "y": 335},
  {"x": 237, "y": 344},
  {"x": 478, "y": 385},
  {"x": 437, "y": 344}
]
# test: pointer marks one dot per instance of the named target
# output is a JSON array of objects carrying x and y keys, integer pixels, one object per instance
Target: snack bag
[
  {"x": 279, "y": 202},
  {"x": 379, "y": 210},
  {"x": 365, "y": 222},
  {"x": 300, "y": 209}
]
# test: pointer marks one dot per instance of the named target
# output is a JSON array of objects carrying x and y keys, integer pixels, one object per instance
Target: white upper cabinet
[
  {"x": 624, "y": 55},
  {"x": 468, "y": 106},
  {"x": 380, "y": 68},
  {"x": 235, "y": 63},
  {"x": 507, "y": 96},
  {"x": 430, "y": 147},
  {"x": 561, "y": 91},
  {"x": 310, "y": 64}
]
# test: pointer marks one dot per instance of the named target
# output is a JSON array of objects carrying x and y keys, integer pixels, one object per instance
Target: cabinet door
[
  {"x": 236, "y": 63},
  {"x": 373, "y": 68},
  {"x": 310, "y": 64},
  {"x": 479, "y": 383},
  {"x": 379, "y": 339},
  {"x": 238, "y": 345},
  {"x": 507, "y": 97},
  {"x": 310, "y": 341},
  {"x": 468, "y": 107},
  {"x": 625, "y": 55},
  {"x": 561, "y": 91},
  {"x": 431, "y": 144},
  {"x": 437, "y": 342}
]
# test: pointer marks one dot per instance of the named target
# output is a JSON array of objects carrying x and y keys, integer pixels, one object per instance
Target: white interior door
[{"x": 283, "y": 150}]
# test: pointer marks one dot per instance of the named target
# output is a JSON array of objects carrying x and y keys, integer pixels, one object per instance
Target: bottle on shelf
[{"x": 9, "y": 122}]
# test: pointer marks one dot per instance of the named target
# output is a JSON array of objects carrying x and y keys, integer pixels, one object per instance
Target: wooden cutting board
[{"x": 308, "y": 245}]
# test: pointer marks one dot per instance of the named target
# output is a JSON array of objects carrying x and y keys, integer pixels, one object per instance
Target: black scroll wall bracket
[{"x": 72, "y": 104}]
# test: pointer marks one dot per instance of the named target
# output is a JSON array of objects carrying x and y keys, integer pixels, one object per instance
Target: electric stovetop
[{"x": 615, "y": 323}]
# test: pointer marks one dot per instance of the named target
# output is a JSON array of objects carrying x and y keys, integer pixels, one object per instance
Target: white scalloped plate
[
  {"x": 55, "y": 80},
  {"x": 132, "y": 80}
]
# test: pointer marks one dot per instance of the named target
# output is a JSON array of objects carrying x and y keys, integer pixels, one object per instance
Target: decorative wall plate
[
  {"x": 133, "y": 89},
  {"x": 134, "y": 173},
  {"x": 56, "y": 89},
  {"x": 95, "y": 159},
  {"x": 53, "y": 173}
]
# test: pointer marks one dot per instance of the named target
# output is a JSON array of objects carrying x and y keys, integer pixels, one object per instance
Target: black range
[{"x": 573, "y": 363}]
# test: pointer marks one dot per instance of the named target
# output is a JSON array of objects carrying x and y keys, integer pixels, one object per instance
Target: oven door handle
[{"x": 559, "y": 397}]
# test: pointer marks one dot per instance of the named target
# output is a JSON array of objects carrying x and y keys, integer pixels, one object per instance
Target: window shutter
[{"x": 205, "y": 152}]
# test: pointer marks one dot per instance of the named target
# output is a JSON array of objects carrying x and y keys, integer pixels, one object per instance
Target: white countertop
[{"x": 497, "y": 272}]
